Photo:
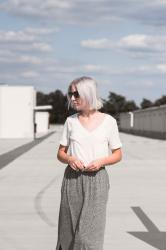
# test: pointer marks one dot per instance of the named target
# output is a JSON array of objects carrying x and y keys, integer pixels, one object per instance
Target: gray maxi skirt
[{"x": 82, "y": 214}]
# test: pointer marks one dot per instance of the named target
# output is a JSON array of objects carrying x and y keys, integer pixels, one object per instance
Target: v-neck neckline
[{"x": 93, "y": 130}]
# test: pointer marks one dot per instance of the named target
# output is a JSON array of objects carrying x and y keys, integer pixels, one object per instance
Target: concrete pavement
[
  {"x": 30, "y": 196},
  {"x": 11, "y": 155}
]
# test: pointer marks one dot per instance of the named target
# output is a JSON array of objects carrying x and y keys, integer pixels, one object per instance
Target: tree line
[{"x": 113, "y": 105}]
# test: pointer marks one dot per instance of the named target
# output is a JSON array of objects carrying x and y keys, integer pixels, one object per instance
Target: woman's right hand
[{"x": 75, "y": 164}]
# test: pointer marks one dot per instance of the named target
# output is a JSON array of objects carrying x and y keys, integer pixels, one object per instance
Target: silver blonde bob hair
[{"x": 87, "y": 89}]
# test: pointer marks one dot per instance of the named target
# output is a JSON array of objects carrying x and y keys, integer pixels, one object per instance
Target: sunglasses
[{"x": 75, "y": 94}]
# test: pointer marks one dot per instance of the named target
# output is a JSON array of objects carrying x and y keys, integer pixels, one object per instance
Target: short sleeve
[
  {"x": 65, "y": 134},
  {"x": 113, "y": 137}
]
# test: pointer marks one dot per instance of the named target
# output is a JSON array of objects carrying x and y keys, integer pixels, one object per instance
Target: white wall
[
  {"x": 150, "y": 119},
  {"x": 17, "y": 111},
  {"x": 42, "y": 121},
  {"x": 125, "y": 120}
]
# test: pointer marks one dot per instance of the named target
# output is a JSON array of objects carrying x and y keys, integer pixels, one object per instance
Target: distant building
[
  {"x": 17, "y": 111},
  {"x": 19, "y": 116},
  {"x": 42, "y": 118}
]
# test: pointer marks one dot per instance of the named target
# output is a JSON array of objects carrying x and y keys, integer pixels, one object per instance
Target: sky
[{"x": 120, "y": 43}]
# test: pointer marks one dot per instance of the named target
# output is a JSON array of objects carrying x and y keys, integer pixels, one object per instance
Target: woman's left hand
[{"x": 94, "y": 165}]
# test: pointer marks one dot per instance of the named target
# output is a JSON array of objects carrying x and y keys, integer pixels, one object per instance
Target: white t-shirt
[{"x": 90, "y": 145}]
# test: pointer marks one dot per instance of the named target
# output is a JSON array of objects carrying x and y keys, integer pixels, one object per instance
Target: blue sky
[{"x": 120, "y": 43}]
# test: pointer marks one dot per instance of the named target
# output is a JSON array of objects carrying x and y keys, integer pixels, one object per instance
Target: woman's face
[{"x": 77, "y": 102}]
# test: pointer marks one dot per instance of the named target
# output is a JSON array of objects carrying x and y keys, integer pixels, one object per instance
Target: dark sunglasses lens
[
  {"x": 75, "y": 94},
  {"x": 70, "y": 94}
]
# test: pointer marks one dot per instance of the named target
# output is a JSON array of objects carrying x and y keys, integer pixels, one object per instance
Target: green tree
[
  {"x": 160, "y": 101},
  {"x": 130, "y": 106},
  {"x": 42, "y": 99},
  {"x": 117, "y": 104},
  {"x": 58, "y": 102},
  {"x": 146, "y": 103}
]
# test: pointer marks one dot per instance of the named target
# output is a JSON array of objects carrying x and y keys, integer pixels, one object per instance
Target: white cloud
[
  {"x": 29, "y": 59},
  {"x": 18, "y": 36},
  {"x": 141, "y": 84},
  {"x": 40, "y": 31},
  {"x": 37, "y": 8},
  {"x": 62, "y": 4},
  {"x": 26, "y": 35},
  {"x": 79, "y": 69},
  {"x": 161, "y": 2},
  {"x": 44, "y": 47},
  {"x": 134, "y": 41},
  {"x": 30, "y": 40},
  {"x": 93, "y": 68},
  {"x": 107, "y": 70},
  {"x": 103, "y": 43},
  {"x": 86, "y": 12},
  {"x": 30, "y": 74},
  {"x": 141, "y": 41},
  {"x": 161, "y": 68},
  {"x": 143, "y": 70},
  {"x": 140, "y": 44},
  {"x": 14, "y": 59},
  {"x": 21, "y": 48}
]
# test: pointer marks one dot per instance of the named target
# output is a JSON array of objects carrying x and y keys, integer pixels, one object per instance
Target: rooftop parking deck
[{"x": 30, "y": 196}]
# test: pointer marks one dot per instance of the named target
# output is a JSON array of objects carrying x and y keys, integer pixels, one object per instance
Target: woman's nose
[{"x": 72, "y": 98}]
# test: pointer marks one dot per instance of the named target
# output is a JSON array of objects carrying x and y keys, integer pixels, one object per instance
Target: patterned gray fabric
[{"x": 82, "y": 212}]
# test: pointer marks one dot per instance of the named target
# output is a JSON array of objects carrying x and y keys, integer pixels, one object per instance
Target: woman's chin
[{"x": 76, "y": 107}]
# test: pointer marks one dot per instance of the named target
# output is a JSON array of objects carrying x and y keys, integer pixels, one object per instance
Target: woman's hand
[
  {"x": 94, "y": 165},
  {"x": 75, "y": 164},
  {"x": 115, "y": 157},
  {"x": 72, "y": 161}
]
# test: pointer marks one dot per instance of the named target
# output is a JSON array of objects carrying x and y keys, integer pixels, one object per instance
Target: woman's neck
[{"x": 88, "y": 113}]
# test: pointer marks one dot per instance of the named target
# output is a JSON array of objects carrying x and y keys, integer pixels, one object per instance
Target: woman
[{"x": 88, "y": 134}]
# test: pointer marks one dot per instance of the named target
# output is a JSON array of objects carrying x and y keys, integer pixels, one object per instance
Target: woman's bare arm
[
  {"x": 70, "y": 160},
  {"x": 62, "y": 154},
  {"x": 115, "y": 157}
]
